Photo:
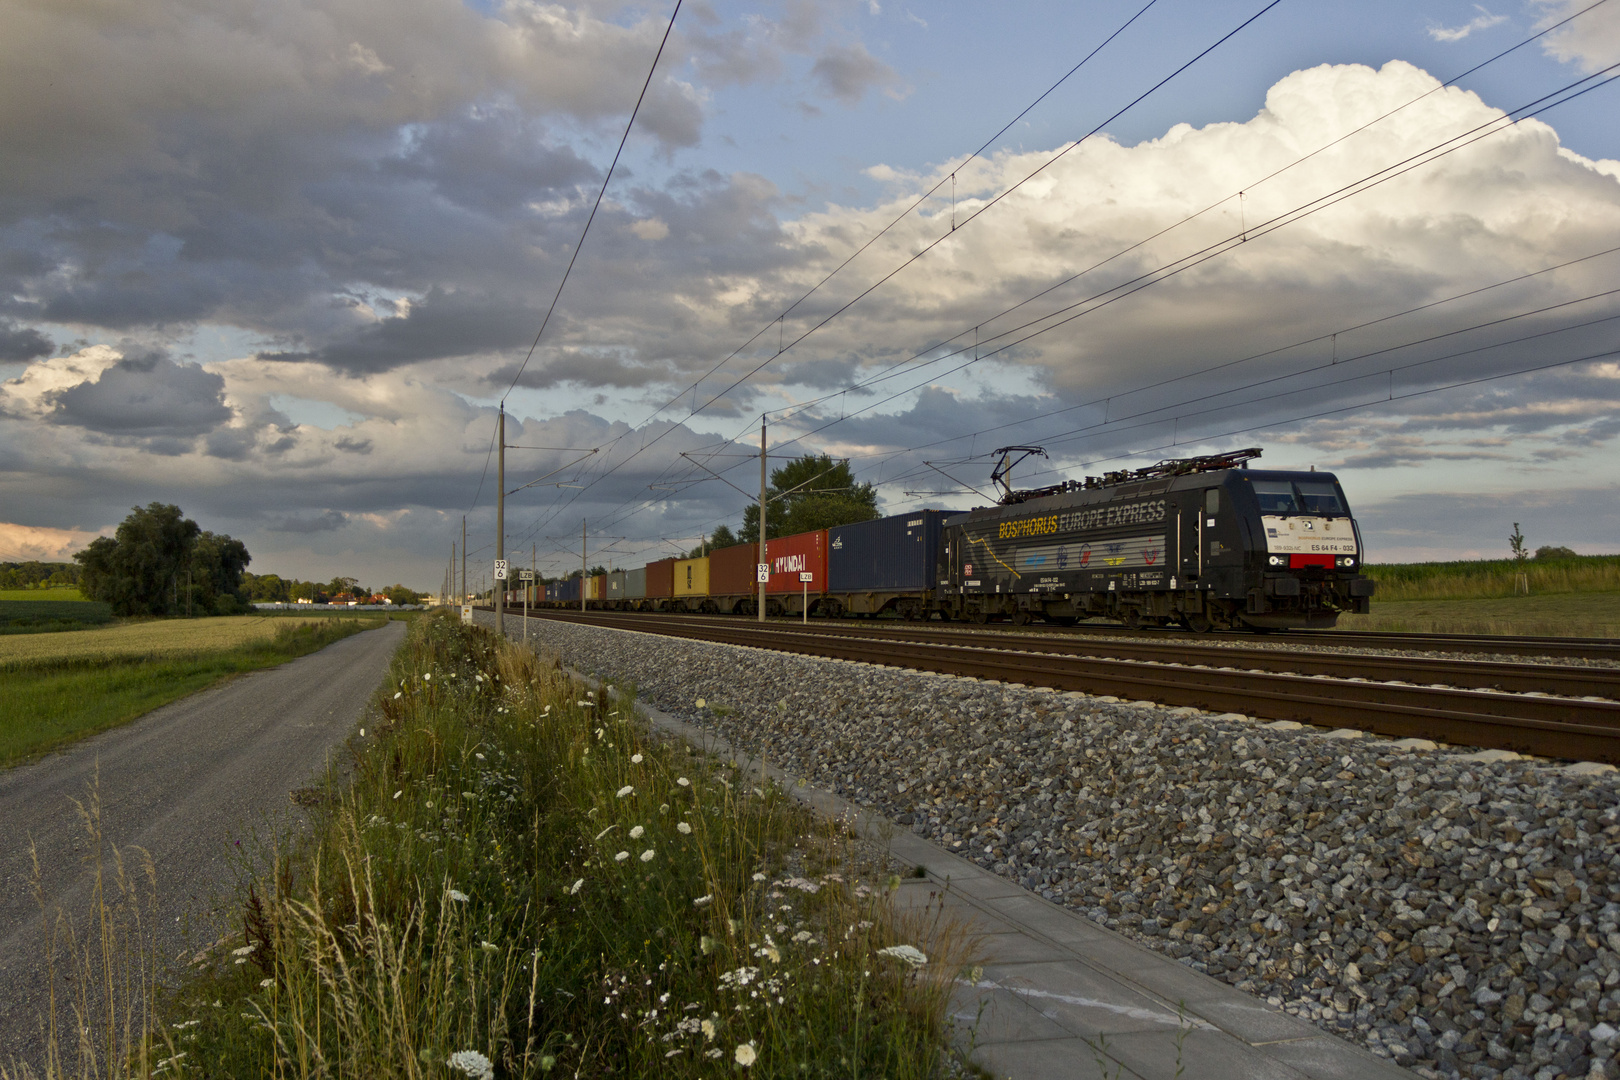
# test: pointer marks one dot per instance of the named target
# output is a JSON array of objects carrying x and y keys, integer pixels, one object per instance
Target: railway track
[{"x": 1472, "y": 703}]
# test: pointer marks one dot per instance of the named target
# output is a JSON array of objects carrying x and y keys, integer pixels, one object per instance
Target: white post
[{"x": 805, "y": 599}]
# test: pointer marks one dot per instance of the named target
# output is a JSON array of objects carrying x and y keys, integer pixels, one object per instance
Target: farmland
[{"x": 62, "y": 687}]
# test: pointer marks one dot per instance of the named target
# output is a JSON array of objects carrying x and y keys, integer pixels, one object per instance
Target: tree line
[{"x": 811, "y": 492}]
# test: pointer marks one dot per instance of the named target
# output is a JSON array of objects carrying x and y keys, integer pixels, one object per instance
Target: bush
[{"x": 1553, "y": 551}]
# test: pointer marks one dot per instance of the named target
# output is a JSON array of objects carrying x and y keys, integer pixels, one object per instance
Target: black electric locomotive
[{"x": 1207, "y": 543}]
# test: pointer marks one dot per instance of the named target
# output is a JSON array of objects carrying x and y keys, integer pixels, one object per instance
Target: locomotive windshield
[{"x": 1298, "y": 497}]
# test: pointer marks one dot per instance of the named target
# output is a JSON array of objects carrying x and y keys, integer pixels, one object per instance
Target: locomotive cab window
[
  {"x": 1276, "y": 497},
  {"x": 1212, "y": 501},
  {"x": 1320, "y": 498}
]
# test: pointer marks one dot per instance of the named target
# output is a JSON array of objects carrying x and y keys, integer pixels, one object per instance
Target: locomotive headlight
[
  {"x": 1347, "y": 561},
  {"x": 1276, "y": 560}
]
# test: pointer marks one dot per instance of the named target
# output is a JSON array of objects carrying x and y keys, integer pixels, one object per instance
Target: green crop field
[
  {"x": 1573, "y": 596},
  {"x": 57, "y": 688},
  {"x": 36, "y": 595},
  {"x": 39, "y": 616}
]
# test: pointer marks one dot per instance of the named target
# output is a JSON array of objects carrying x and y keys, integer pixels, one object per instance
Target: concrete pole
[
  {"x": 500, "y": 527},
  {"x": 462, "y": 599},
  {"x": 583, "y": 570},
  {"x": 764, "y": 558}
]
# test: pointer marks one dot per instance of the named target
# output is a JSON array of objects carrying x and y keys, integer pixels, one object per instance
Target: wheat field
[{"x": 134, "y": 641}]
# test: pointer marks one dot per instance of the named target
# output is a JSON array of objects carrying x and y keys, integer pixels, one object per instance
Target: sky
[{"x": 281, "y": 263}]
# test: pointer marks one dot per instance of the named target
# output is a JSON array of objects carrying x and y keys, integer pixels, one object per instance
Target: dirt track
[{"x": 185, "y": 783}]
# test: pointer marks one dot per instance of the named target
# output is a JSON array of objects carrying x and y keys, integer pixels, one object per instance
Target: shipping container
[
  {"x": 635, "y": 584},
  {"x": 569, "y": 591},
  {"x": 615, "y": 586},
  {"x": 692, "y": 577},
  {"x": 661, "y": 579},
  {"x": 892, "y": 554},
  {"x": 731, "y": 571},
  {"x": 597, "y": 587},
  {"x": 791, "y": 555}
]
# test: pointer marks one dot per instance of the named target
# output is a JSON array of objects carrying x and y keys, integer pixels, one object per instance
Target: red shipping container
[
  {"x": 661, "y": 579},
  {"x": 789, "y": 555},
  {"x": 731, "y": 570}
]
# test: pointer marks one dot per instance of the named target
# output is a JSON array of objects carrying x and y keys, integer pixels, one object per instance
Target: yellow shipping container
[
  {"x": 692, "y": 577},
  {"x": 598, "y": 584}
]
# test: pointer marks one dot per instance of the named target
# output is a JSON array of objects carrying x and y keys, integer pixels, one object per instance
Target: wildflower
[
  {"x": 663, "y": 808},
  {"x": 739, "y": 978},
  {"x": 708, "y": 1029},
  {"x": 489, "y": 946},
  {"x": 746, "y": 1054},
  {"x": 605, "y": 831},
  {"x": 577, "y": 886},
  {"x": 706, "y": 944},
  {"x": 265, "y": 984},
  {"x": 547, "y": 1062},
  {"x": 801, "y": 937},
  {"x": 635, "y": 759},
  {"x": 480, "y": 757},
  {"x": 636, "y": 833},
  {"x": 398, "y": 694},
  {"x": 628, "y": 789},
  {"x": 908, "y": 953},
  {"x": 759, "y": 877},
  {"x": 428, "y": 676},
  {"x": 684, "y": 782},
  {"x": 398, "y": 793},
  {"x": 703, "y": 901},
  {"x": 547, "y": 713},
  {"x": 457, "y": 895},
  {"x": 621, "y": 856},
  {"x": 586, "y": 704},
  {"x": 362, "y": 733},
  {"x": 478, "y": 678},
  {"x": 647, "y": 856},
  {"x": 701, "y": 703},
  {"x": 472, "y": 1063},
  {"x": 245, "y": 950},
  {"x": 683, "y": 828}
]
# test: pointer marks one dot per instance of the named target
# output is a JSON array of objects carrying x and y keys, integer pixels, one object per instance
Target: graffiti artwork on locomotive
[{"x": 1206, "y": 543}]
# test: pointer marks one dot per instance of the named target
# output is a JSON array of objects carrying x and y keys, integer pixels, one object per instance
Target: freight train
[{"x": 1205, "y": 543}]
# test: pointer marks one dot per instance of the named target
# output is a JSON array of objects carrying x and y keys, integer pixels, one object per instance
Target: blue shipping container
[
  {"x": 892, "y": 554},
  {"x": 569, "y": 592}
]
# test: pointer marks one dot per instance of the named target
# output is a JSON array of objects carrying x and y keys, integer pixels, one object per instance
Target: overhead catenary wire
[
  {"x": 1453, "y": 80},
  {"x": 1277, "y": 225},
  {"x": 608, "y": 470}
]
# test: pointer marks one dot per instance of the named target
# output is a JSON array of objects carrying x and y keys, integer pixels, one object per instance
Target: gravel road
[
  {"x": 1457, "y": 912},
  {"x": 184, "y": 782}
]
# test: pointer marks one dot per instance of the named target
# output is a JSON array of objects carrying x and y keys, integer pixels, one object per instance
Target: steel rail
[
  {"x": 1549, "y": 727},
  {"x": 1519, "y": 678}
]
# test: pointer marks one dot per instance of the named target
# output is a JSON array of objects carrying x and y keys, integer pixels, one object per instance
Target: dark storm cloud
[
  {"x": 17, "y": 344},
  {"x": 147, "y": 396},
  {"x": 330, "y": 521}
]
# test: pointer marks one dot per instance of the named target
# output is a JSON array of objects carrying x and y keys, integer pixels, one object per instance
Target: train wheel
[
  {"x": 1132, "y": 618},
  {"x": 1020, "y": 618},
  {"x": 980, "y": 617},
  {"x": 1199, "y": 624}
]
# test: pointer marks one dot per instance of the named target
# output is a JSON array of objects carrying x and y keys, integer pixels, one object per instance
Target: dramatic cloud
[
  {"x": 847, "y": 72},
  {"x": 1483, "y": 21},
  {"x": 21, "y": 543},
  {"x": 330, "y": 521},
  {"x": 22, "y": 343},
  {"x": 1591, "y": 41}
]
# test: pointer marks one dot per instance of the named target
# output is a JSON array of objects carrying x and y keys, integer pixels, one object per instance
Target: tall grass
[
  {"x": 519, "y": 880},
  {"x": 1485, "y": 579}
]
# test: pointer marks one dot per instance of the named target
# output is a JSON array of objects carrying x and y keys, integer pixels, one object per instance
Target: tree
[
  {"x": 811, "y": 492},
  {"x": 214, "y": 575},
  {"x": 142, "y": 568},
  {"x": 1555, "y": 551},
  {"x": 1516, "y": 542},
  {"x": 399, "y": 594}
]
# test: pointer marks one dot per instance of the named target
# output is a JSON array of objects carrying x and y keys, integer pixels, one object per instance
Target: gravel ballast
[{"x": 1459, "y": 915}]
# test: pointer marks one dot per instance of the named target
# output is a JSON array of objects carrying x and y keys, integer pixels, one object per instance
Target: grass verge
[
  {"x": 1557, "y": 615},
  {"x": 519, "y": 881},
  {"x": 52, "y": 698}
]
